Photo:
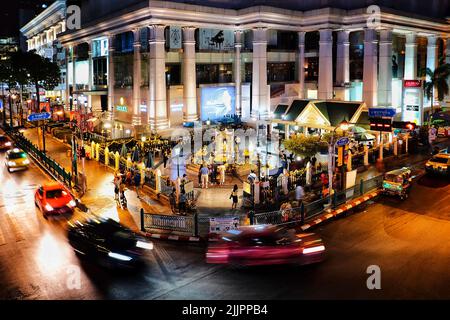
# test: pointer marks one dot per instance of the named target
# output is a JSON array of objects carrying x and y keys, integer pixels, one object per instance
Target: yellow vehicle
[
  {"x": 16, "y": 159},
  {"x": 440, "y": 163},
  {"x": 397, "y": 182}
]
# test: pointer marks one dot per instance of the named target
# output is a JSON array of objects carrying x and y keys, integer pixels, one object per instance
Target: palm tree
[{"x": 437, "y": 80}]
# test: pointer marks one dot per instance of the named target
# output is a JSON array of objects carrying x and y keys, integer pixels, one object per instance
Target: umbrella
[
  {"x": 135, "y": 157},
  {"x": 365, "y": 137},
  {"x": 123, "y": 151},
  {"x": 149, "y": 163},
  {"x": 357, "y": 130}
]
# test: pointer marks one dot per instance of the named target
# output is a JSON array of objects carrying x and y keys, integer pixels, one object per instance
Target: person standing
[
  {"x": 200, "y": 175},
  {"x": 165, "y": 158},
  {"x": 299, "y": 193},
  {"x": 205, "y": 173},
  {"x": 182, "y": 203},
  {"x": 234, "y": 197},
  {"x": 137, "y": 182},
  {"x": 173, "y": 200},
  {"x": 222, "y": 174}
]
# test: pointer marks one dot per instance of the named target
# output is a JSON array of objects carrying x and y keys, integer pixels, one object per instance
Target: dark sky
[{"x": 10, "y": 19}]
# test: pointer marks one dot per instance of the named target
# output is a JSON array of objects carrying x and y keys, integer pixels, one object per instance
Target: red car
[
  {"x": 5, "y": 143},
  {"x": 266, "y": 245},
  {"x": 54, "y": 198}
]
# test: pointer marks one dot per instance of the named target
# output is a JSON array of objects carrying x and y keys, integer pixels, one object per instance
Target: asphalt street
[{"x": 409, "y": 241}]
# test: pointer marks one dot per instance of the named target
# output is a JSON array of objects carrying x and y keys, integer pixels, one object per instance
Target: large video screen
[{"x": 217, "y": 102}]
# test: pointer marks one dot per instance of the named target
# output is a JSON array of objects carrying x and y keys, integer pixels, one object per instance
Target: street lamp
[{"x": 344, "y": 125}]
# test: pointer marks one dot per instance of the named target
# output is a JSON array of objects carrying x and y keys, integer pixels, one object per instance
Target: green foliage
[
  {"x": 301, "y": 145},
  {"x": 437, "y": 81}
]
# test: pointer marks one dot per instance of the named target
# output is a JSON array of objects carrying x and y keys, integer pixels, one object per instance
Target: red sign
[{"x": 412, "y": 83}]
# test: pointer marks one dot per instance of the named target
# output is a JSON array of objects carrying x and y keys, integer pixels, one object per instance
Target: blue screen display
[{"x": 217, "y": 102}]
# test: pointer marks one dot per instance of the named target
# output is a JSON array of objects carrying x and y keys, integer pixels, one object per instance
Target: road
[{"x": 409, "y": 241}]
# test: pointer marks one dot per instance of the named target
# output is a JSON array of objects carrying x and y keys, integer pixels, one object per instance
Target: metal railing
[
  {"x": 312, "y": 209},
  {"x": 184, "y": 224},
  {"x": 44, "y": 160}
]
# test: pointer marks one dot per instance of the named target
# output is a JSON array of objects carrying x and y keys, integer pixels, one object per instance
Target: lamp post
[{"x": 331, "y": 147}]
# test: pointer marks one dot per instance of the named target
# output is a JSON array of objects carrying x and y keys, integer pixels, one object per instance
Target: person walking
[
  {"x": 205, "y": 173},
  {"x": 117, "y": 180},
  {"x": 200, "y": 175},
  {"x": 173, "y": 200},
  {"x": 137, "y": 182},
  {"x": 234, "y": 197}
]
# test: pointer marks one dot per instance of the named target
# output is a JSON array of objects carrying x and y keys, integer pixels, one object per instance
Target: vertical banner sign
[
  {"x": 216, "y": 39},
  {"x": 412, "y": 102},
  {"x": 175, "y": 37}
]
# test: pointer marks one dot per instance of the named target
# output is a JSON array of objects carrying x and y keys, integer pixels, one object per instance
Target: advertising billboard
[
  {"x": 216, "y": 39},
  {"x": 217, "y": 102},
  {"x": 412, "y": 104}
]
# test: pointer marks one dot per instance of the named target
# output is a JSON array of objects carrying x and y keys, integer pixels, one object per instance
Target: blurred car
[
  {"x": 54, "y": 198},
  {"x": 5, "y": 143},
  {"x": 108, "y": 242},
  {"x": 439, "y": 163},
  {"x": 16, "y": 159},
  {"x": 266, "y": 245}
]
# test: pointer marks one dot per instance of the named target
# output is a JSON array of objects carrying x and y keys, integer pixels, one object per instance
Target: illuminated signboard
[
  {"x": 412, "y": 102},
  {"x": 122, "y": 108},
  {"x": 217, "y": 102},
  {"x": 216, "y": 39}
]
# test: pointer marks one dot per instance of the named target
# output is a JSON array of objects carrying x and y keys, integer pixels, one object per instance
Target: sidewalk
[{"x": 99, "y": 197}]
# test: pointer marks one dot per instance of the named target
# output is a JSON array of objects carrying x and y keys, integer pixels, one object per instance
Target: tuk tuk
[{"x": 397, "y": 182}]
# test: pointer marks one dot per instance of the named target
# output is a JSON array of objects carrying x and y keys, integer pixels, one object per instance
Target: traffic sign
[
  {"x": 39, "y": 116},
  {"x": 382, "y": 112},
  {"x": 342, "y": 141}
]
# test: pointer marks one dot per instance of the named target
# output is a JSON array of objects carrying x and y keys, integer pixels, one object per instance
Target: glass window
[
  {"x": 173, "y": 74},
  {"x": 281, "y": 72},
  {"x": 312, "y": 69},
  {"x": 17, "y": 155},
  {"x": 100, "y": 71},
  {"x": 214, "y": 73}
]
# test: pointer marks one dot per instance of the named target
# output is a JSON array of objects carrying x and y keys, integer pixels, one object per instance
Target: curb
[
  {"x": 342, "y": 209},
  {"x": 170, "y": 237}
]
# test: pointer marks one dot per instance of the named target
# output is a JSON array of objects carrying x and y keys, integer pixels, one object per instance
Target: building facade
[
  {"x": 162, "y": 63},
  {"x": 41, "y": 35}
]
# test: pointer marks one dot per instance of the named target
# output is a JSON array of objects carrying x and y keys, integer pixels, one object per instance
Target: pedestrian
[
  {"x": 83, "y": 183},
  {"x": 173, "y": 200},
  {"x": 222, "y": 174},
  {"x": 200, "y": 175},
  {"x": 183, "y": 181},
  {"x": 137, "y": 182},
  {"x": 165, "y": 158},
  {"x": 251, "y": 177},
  {"x": 234, "y": 197},
  {"x": 182, "y": 203},
  {"x": 205, "y": 173},
  {"x": 117, "y": 180},
  {"x": 299, "y": 192}
]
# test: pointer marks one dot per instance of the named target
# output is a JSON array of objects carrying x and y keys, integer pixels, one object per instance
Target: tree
[
  {"x": 437, "y": 81},
  {"x": 301, "y": 145},
  {"x": 42, "y": 72}
]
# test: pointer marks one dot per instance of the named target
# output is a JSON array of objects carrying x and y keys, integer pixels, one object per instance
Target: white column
[
  {"x": 343, "y": 58},
  {"x": 237, "y": 69},
  {"x": 29, "y": 45},
  {"x": 157, "y": 78},
  {"x": 54, "y": 29},
  {"x": 90, "y": 73},
  {"x": 67, "y": 80},
  {"x": 447, "y": 59},
  {"x": 136, "y": 77},
  {"x": 410, "y": 57},
  {"x": 432, "y": 53},
  {"x": 189, "y": 75},
  {"x": 385, "y": 75},
  {"x": 370, "y": 76},
  {"x": 301, "y": 64},
  {"x": 63, "y": 26},
  {"x": 111, "y": 77},
  {"x": 326, "y": 65},
  {"x": 260, "y": 94}
]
